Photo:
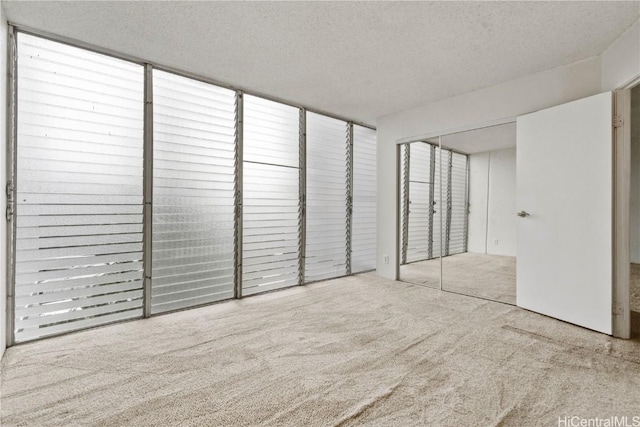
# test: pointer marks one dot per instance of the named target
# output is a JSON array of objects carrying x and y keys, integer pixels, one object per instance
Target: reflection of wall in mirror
[{"x": 492, "y": 202}]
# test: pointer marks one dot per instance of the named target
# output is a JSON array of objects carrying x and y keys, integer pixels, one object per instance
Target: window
[
  {"x": 194, "y": 135},
  {"x": 272, "y": 224},
  {"x": 327, "y": 198},
  {"x": 79, "y": 189},
  {"x": 234, "y": 194},
  {"x": 363, "y": 228}
]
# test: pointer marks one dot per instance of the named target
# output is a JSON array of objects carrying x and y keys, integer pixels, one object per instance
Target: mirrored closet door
[
  {"x": 480, "y": 213},
  {"x": 458, "y": 212},
  {"x": 420, "y": 216}
]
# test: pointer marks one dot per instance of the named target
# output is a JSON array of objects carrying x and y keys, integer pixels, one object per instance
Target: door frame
[{"x": 621, "y": 249}]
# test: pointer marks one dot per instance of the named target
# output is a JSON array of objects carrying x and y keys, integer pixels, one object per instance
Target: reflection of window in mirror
[
  {"x": 420, "y": 229},
  {"x": 458, "y": 212}
]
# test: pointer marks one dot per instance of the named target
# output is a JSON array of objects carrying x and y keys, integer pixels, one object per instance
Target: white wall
[
  {"x": 492, "y": 200},
  {"x": 501, "y": 233},
  {"x": 620, "y": 62},
  {"x": 3, "y": 177},
  {"x": 478, "y": 200},
  {"x": 509, "y": 99}
]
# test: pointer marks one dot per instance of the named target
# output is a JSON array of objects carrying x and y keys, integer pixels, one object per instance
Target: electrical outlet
[
  {"x": 385, "y": 259},
  {"x": 495, "y": 241}
]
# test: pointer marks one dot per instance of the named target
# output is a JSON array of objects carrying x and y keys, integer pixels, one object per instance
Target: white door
[{"x": 564, "y": 183}]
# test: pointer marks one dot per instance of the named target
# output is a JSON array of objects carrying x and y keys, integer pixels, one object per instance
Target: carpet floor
[
  {"x": 634, "y": 288},
  {"x": 359, "y": 350},
  {"x": 487, "y": 276}
]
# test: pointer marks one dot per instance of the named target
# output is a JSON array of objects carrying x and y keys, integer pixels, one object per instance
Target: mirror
[
  {"x": 420, "y": 213},
  {"x": 458, "y": 212},
  {"x": 479, "y": 188}
]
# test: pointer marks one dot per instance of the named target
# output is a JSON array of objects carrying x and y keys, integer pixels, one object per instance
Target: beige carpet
[
  {"x": 487, "y": 276},
  {"x": 634, "y": 288},
  {"x": 353, "y": 351},
  {"x": 426, "y": 273}
]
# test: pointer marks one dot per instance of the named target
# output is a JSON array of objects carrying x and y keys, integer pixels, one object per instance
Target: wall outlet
[
  {"x": 385, "y": 259},
  {"x": 495, "y": 241}
]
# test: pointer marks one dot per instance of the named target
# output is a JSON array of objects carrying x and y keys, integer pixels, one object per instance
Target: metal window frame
[
  {"x": 302, "y": 194},
  {"x": 11, "y": 190},
  {"x": 465, "y": 230},
  {"x": 147, "y": 189},
  {"x": 349, "y": 228},
  {"x": 238, "y": 195},
  {"x": 12, "y": 93},
  {"x": 406, "y": 162},
  {"x": 447, "y": 241},
  {"x": 432, "y": 201},
  {"x": 440, "y": 198}
]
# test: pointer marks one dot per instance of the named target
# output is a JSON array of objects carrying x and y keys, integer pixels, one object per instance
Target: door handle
[{"x": 523, "y": 214}]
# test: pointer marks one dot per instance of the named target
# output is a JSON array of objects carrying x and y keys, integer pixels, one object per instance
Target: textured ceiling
[
  {"x": 485, "y": 139},
  {"x": 361, "y": 60}
]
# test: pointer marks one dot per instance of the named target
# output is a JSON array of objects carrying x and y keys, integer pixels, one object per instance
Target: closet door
[
  {"x": 327, "y": 198},
  {"x": 271, "y": 203},
  {"x": 420, "y": 209},
  {"x": 439, "y": 188},
  {"x": 564, "y": 234},
  {"x": 458, "y": 202}
]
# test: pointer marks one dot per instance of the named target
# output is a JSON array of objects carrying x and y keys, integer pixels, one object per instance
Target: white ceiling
[
  {"x": 474, "y": 141},
  {"x": 361, "y": 60}
]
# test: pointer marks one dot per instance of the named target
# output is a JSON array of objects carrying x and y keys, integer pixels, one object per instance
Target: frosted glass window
[
  {"x": 363, "y": 223},
  {"x": 327, "y": 196},
  {"x": 193, "y": 192},
  {"x": 404, "y": 202},
  {"x": 79, "y": 189},
  {"x": 271, "y": 196},
  {"x": 271, "y": 132},
  {"x": 458, "y": 224},
  {"x": 420, "y": 188},
  {"x": 439, "y": 202}
]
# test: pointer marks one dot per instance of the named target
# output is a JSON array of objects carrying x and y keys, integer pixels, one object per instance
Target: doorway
[{"x": 634, "y": 212}]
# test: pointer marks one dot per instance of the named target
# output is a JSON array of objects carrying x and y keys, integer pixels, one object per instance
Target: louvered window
[
  {"x": 104, "y": 205},
  {"x": 458, "y": 223},
  {"x": 193, "y": 192},
  {"x": 434, "y": 216},
  {"x": 271, "y": 196},
  {"x": 327, "y": 195},
  {"x": 439, "y": 203},
  {"x": 419, "y": 243},
  {"x": 363, "y": 228},
  {"x": 79, "y": 189}
]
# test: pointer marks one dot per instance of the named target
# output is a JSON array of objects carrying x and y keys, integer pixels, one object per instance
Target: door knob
[{"x": 522, "y": 214}]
